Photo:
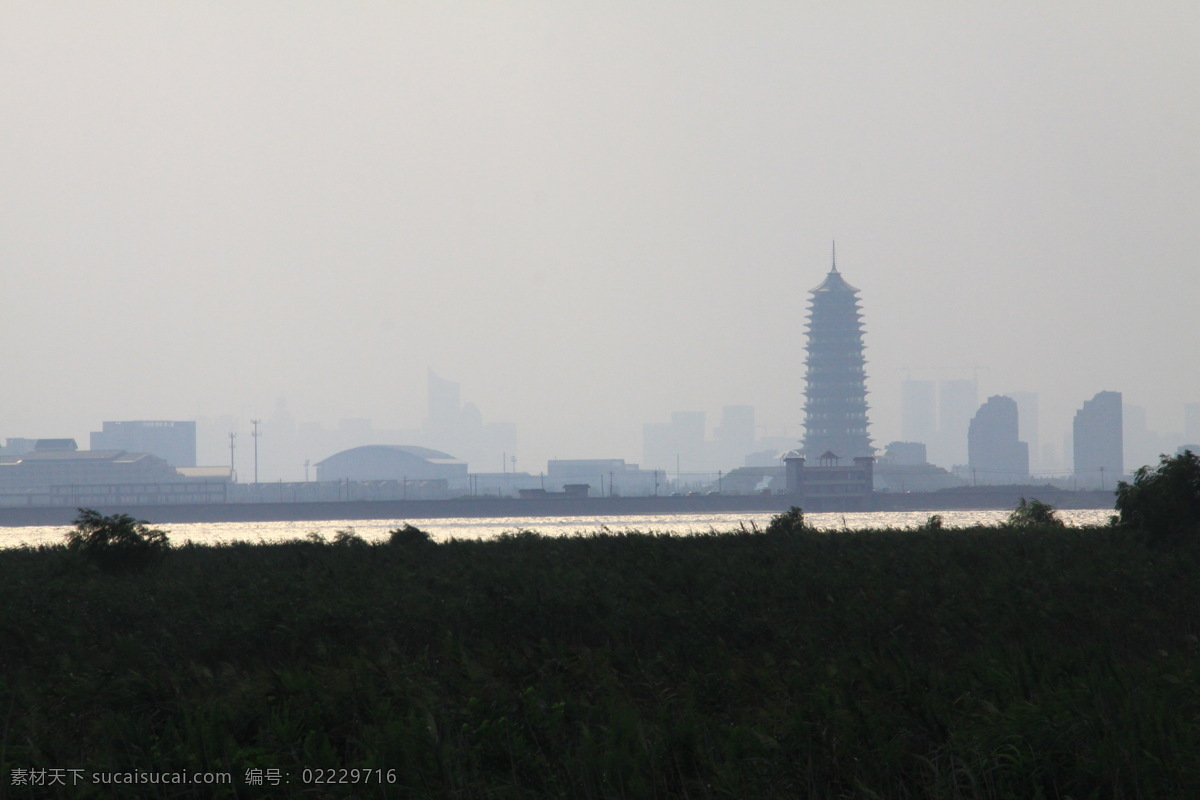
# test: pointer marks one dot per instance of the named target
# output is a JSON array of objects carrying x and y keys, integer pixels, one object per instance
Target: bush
[
  {"x": 790, "y": 521},
  {"x": 1034, "y": 514},
  {"x": 1163, "y": 503},
  {"x": 118, "y": 543},
  {"x": 409, "y": 536},
  {"x": 348, "y": 537}
]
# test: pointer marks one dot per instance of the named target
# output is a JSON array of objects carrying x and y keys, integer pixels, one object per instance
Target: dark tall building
[
  {"x": 994, "y": 453},
  {"x": 1099, "y": 442},
  {"x": 835, "y": 404}
]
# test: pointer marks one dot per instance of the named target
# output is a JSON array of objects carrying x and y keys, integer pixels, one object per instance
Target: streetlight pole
[
  {"x": 232, "y": 466},
  {"x": 255, "y": 434}
]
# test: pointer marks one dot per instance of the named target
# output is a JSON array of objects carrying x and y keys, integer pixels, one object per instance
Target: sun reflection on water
[{"x": 488, "y": 527}]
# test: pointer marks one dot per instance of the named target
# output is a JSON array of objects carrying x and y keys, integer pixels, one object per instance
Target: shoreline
[{"x": 965, "y": 498}]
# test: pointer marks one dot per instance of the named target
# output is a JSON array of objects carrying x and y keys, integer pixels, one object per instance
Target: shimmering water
[{"x": 487, "y": 527}]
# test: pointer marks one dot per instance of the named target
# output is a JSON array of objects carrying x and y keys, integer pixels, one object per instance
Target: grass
[{"x": 979, "y": 663}]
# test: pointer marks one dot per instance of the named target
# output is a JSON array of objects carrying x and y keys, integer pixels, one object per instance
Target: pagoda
[{"x": 835, "y": 399}]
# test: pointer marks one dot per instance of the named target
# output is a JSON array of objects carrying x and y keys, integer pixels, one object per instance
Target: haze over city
[{"x": 589, "y": 216}]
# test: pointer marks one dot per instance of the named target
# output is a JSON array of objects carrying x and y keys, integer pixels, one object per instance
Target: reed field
[{"x": 994, "y": 662}]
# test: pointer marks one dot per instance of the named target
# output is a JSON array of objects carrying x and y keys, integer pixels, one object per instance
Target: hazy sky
[{"x": 589, "y": 214}]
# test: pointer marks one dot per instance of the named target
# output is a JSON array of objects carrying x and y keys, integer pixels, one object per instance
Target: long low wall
[
  {"x": 965, "y": 497},
  {"x": 991, "y": 498}
]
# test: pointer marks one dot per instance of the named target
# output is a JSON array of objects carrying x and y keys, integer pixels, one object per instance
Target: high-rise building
[
  {"x": 1027, "y": 409},
  {"x": 457, "y": 428},
  {"x": 957, "y": 402},
  {"x": 678, "y": 446},
  {"x": 995, "y": 453},
  {"x": 1098, "y": 442},
  {"x": 445, "y": 404},
  {"x": 1191, "y": 422},
  {"x": 835, "y": 406},
  {"x": 1139, "y": 444},
  {"x": 689, "y": 431},
  {"x": 737, "y": 426},
  {"x": 918, "y": 411},
  {"x": 734, "y": 437}
]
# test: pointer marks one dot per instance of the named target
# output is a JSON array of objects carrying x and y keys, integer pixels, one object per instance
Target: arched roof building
[{"x": 390, "y": 462}]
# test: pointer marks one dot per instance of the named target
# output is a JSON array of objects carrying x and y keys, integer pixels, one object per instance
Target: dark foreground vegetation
[{"x": 1030, "y": 660}]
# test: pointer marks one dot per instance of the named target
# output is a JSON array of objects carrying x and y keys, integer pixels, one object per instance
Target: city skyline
[
  {"x": 687, "y": 441},
  {"x": 590, "y": 218}
]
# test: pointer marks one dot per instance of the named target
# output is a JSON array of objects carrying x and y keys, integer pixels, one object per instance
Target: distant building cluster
[
  {"x": 996, "y": 442},
  {"x": 288, "y": 450},
  {"x": 938, "y": 415},
  {"x": 459, "y": 428},
  {"x": 949, "y": 439},
  {"x": 683, "y": 448},
  {"x": 1002, "y": 440}
]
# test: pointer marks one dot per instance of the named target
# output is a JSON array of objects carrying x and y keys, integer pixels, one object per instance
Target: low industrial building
[
  {"x": 605, "y": 477},
  {"x": 830, "y": 485},
  {"x": 759, "y": 479},
  {"x": 505, "y": 484},
  {"x": 904, "y": 468},
  {"x": 570, "y": 490},
  {"x": 56, "y": 473}
]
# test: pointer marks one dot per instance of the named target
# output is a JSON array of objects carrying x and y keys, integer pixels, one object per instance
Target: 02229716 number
[{"x": 348, "y": 776}]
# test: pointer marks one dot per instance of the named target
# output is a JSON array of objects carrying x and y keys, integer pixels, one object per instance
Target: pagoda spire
[{"x": 834, "y": 256}]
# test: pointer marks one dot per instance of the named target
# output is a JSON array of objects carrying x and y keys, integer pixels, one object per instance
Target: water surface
[{"x": 488, "y": 527}]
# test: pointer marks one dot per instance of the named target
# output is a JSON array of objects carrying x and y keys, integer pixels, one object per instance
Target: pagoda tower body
[{"x": 835, "y": 399}]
